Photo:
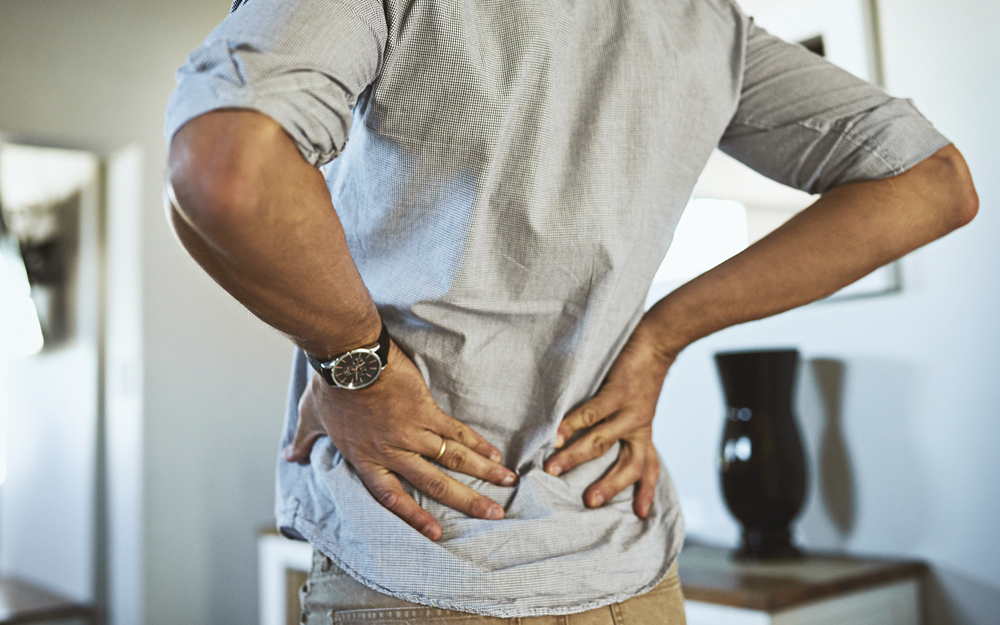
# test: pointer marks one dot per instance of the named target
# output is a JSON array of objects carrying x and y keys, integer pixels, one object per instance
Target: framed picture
[{"x": 734, "y": 198}]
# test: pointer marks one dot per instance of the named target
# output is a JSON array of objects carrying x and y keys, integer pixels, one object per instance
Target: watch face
[{"x": 356, "y": 369}]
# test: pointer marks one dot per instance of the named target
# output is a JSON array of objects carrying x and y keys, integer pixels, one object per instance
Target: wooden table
[
  {"x": 816, "y": 589},
  {"x": 21, "y": 602}
]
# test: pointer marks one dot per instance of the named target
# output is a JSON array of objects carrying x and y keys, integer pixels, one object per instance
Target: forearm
[
  {"x": 849, "y": 232},
  {"x": 259, "y": 219}
]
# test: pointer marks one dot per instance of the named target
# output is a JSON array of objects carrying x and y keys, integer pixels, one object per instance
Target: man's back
[{"x": 512, "y": 181}]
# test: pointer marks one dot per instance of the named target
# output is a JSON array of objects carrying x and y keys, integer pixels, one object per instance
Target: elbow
[
  {"x": 958, "y": 200},
  {"x": 216, "y": 172},
  {"x": 967, "y": 207},
  {"x": 209, "y": 201}
]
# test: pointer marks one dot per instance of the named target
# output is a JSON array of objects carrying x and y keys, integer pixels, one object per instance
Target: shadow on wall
[
  {"x": 867, "y": 402},
  {"x": 836, "y": 480},
  {"x": 830, "y": 514}
]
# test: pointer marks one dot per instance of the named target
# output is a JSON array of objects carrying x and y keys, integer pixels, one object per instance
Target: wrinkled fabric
[
  {"x": 509, "y": 176},
  {"x": 332, "y": 597}
]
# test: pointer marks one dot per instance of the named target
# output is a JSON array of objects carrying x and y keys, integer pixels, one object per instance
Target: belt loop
[{"x": 616, "y": 614}]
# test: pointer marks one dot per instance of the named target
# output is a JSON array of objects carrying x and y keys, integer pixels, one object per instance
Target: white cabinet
[
  {"x": 892, "y": 604},
  {"x": 814, "y": 590},
  {"x": 280, "y": 563}
]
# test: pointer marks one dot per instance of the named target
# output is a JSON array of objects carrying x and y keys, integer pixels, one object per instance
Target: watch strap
[{"x": 324, "y": 369}]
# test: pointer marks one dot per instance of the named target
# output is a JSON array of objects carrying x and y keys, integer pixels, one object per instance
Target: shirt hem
[{"x": 311, "y": 533}]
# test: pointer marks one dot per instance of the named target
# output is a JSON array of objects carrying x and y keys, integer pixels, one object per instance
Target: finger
[
  {"x": 645, "y": 492},
  {"x": 626, "y": 471},
  {"x": 593, "y": 444},
  {"x": 442, "y": 488},
  {"x": 450, "y": 427},
  {"x": 587, "y": 415},
  {"x": 460, "y": 458},
  {"x": 387, "y": 491}
]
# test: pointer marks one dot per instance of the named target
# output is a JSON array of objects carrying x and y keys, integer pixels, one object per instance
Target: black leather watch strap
[{"x": 324, "y": 369}]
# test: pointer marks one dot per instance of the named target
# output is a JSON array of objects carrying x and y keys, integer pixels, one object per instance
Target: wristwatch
[{"x": 357, "y": 368}]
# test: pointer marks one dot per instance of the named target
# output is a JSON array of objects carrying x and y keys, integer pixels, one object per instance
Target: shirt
[{"x": 514, "y": 174}]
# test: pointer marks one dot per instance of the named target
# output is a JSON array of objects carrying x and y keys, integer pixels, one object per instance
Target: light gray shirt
[{"x": 514, "y": 174}]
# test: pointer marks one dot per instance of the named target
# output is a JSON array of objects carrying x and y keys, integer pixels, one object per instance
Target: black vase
[{"x": 762, "y": 464}]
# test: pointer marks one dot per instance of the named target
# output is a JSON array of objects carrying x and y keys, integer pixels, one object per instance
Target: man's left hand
[{"x": 621, "y": 412}]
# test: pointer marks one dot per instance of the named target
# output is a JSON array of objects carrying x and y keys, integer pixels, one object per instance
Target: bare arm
[
  {"x": 259, "y": 219},
  {"x": 849, "y": 232}
]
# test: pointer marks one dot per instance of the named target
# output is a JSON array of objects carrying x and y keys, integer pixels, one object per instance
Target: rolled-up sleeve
[
  {"x": 301, "y": 62},
  {"x": 810, "y": 125}
]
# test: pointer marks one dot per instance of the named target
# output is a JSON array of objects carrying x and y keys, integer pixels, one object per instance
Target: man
[{"x": 466, "y": 275}]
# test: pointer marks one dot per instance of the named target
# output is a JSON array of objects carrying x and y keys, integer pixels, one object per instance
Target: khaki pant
[{"x": 332, "y": 596}]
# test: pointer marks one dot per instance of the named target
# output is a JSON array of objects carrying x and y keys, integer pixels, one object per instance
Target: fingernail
[
  {"x": 495, "y": 513},
  {"x": 559, "y": 440},
  {"x": 286, "y": 453},
  {"x": 508, "y": 479},
  {"x": 597, "y": 500},
  {"x": 495, "y": 456},
  {"x": 429, "y": 532},
  {"x": 554, "y": 470}
]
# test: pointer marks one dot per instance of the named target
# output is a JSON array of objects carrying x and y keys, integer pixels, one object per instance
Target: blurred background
[{"x": 139, "y": 442}]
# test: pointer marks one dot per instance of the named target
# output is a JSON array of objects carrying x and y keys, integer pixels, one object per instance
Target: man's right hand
[{"x": 394, "y": 429}]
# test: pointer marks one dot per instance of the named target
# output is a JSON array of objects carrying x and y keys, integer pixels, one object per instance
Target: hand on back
[
  {"x": 622, "y": 411},
  {"x": 394, "y": 429}
]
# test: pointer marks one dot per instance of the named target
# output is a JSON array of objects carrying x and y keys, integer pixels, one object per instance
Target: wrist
[
  {"x": 664, "y": 337},
  {"x": 361, "y": 332}
]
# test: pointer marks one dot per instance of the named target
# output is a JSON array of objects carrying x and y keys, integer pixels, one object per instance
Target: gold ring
[{"x": 444, "y": 445}]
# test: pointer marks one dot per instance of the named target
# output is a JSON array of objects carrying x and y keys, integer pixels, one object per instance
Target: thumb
[
  {"x": 301, "y": 447},
  {"x": 307, "y": 432}
]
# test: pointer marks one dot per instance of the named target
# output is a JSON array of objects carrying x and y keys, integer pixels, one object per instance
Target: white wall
[
  {"x": 97, "y": 74},
  {"x": 918, "y": 416}
]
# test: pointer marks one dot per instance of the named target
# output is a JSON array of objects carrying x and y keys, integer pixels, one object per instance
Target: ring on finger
[{"x": 440, "y": 453}]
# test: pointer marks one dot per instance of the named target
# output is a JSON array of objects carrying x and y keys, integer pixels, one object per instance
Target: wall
[
  {"x": 97, "y": 75},
  {"x": 916, "y": 417},
  {"x": 916, "y": 430}
]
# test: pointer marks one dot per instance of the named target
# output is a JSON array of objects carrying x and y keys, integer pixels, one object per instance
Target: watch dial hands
[{"x": 357, "y": 370}]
